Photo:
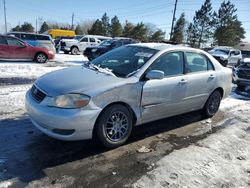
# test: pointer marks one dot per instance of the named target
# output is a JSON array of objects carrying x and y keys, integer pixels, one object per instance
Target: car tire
[
  {"x": 114, "y": 126},
  {"x": 74, "y": 51},
  {"x": 212, "y": 105},
  {"x": 41, "y": 58}
]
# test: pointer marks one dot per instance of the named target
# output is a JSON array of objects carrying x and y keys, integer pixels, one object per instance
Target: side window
[
  {"x": 3, "y": 41},
  {"x": 171, "y": 64},
  {"x": 28, "y": 37},
  {"x": 14, "y": 42},
  {"x": 117, "y": 44},
  {"x": 92, "y": 40},
  {"x": 85, "y": 39},
  {"x": 42, "y": 37},
  {"x": 197, "y": 62}
]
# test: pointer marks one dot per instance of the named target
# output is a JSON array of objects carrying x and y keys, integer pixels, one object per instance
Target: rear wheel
[
  {"x": 41, "y": 58},
  {"x": 114, "y": 126},
  {"x": 212, "y": 105},
  {"x": 74, "y": 51}
]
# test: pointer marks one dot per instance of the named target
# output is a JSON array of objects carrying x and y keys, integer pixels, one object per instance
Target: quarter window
[
  {"x": 171, "y": 64},
  {"x": 197, "y": 63}
]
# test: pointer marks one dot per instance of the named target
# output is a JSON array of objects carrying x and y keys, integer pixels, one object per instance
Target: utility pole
[
  {"x": 72, "y": 21},
  {"x": 172, "y": 27},
  {"x": 5, "y": 19},
  {"x": 36, "y": 25}
]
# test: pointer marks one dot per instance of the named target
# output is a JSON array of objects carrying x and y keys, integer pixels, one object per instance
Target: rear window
[
  {"x": 42, "y": 37},
  {"x": 28, "y": 37}
]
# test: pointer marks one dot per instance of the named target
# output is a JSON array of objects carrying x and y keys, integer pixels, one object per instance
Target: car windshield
[
  {"x": 224, "y": 51},
  {"x": 106, "y": 43},
  {"x": 77, "y": 37},
  {"x": 126, "y": 60}
]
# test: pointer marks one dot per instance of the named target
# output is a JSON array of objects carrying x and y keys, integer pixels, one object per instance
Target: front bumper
[
  {"x": 240, "y": 81},
  {"x": 65, "y": 48},
  {"x": 62, "y": 124}
]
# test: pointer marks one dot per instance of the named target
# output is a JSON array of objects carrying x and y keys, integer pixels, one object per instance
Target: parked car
[
  {"x": 16, "y": 49},
  {"x": 241, "y": 74},
  {"x": 76, "y": 47},
  {"x": 107, "y": 45},
  {"x": 130, "y": 85},
  {"x": 226, "y": 55},
  {"x": 37, "y": 40}
]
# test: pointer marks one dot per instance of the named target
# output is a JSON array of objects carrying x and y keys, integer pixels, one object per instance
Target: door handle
[
  {"x": 183, "y": 81},
  {"x": 211, "y": 76}
]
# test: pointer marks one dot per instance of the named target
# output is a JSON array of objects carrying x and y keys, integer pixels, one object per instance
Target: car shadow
[{"x": 28, "y": 152}]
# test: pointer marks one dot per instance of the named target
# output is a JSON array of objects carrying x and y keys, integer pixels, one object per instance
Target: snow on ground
[
  {"x": 34, "y": 70},
  {"x": 220, "y": 160}
]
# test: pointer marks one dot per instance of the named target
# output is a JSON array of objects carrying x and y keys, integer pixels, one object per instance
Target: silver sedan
[{"x": 125, "y": 87}]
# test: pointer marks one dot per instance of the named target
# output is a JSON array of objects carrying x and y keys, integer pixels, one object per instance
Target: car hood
[
  {"x": 74, "y": 80},
  {"x": 218, "y": 54}
]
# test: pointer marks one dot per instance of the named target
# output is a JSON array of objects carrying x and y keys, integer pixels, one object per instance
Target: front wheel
[
  {"x": 41, "y": 58},
  {"x": 212, "y": 105},
  {"x": 74, "y": 51},
  {"x": 114, "y": 126}
]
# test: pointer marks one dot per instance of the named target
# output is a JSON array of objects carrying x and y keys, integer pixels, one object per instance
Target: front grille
[
  {"x": 63, "y": 43},
  {"x": 245, "y": 74},
  {"x": 37, "y": 94}
]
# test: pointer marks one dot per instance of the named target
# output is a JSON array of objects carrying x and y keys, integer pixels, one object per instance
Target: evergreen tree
[
  {"x": 97, "y": 28},
  {"x": 105, "y": 23},
  {"x": 157, "y": 36},
  {"x": 140, "y": 32},
  {"x": 191, "y": 35},
  {"x": 128, "y": 29},
  {"x": 202, "y": 24},
  {"x": 27, "y": 27},
  {"x": 44, "y": 27},
  {"x": 115, "y": 27},
  {"x": 17, "y": 28},
  {"x": 78, "y": 30},
  {"x": 178, "y": 33},
  {"x": 228, "y": 29}
]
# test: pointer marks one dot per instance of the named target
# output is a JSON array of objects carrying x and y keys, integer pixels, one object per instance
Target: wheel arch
[
  {"x": 132, "y": 112},
  {"x": 41, "y": 53}
]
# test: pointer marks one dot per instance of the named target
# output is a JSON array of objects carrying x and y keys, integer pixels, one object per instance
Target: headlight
[
  {"x": 51, "y": 52},
  {"x": 94, "y": 50},
  {"x": 70, "y": 101}
]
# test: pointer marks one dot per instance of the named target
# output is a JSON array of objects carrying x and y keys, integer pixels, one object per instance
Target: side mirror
[{"x": 155, "y": 75}]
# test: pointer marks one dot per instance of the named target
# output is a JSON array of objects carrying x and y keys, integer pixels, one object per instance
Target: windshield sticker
[{"x": 143, "y": 54}]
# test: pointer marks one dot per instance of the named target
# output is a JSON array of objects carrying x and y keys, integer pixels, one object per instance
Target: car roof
[
  {"x": 162, "y": 46},
  {"x": 20, "y": 32}
]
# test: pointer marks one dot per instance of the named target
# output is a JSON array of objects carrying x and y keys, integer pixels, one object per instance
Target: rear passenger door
[
  {"x": 4, "y": 49},
  {"x": 201, "y": 79}
]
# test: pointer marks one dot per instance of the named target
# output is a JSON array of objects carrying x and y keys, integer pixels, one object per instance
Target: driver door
[{"x": 165, "y": 97}]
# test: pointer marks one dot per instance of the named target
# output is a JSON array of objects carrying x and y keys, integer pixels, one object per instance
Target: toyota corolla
[{"x": 126, "y": 87}]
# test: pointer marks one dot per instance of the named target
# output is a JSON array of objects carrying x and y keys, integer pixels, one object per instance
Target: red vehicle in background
[{"x": 12, "y": 48}]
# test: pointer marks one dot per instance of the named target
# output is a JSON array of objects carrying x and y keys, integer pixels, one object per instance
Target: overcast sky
[{"x": 158, "y": 12}]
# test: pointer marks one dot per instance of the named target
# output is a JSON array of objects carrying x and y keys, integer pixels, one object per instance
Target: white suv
[
  {"x": 75, "y": 46},
  {"x": 226, "y": 55}
]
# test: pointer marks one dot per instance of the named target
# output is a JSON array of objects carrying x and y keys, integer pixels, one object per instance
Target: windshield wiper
[{"x": 99, "y": 69}]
